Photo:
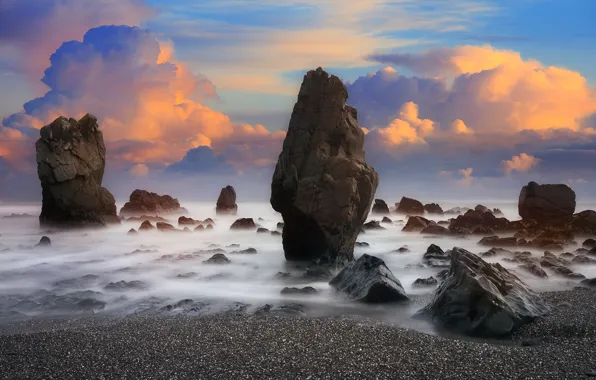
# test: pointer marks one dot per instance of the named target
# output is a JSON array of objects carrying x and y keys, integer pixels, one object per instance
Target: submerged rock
[
  {"x": 546, "y": 204},
  {"x": 165, "y": 227},
  {"x": 423, "y": 282},
  {"x": 380, "y": 207},
  {"x": 369, "y": 280},
  {"x": 435, "y": 257},
  {"x": 71, "y": 158},
  {"x": 132, "y": 231},
  {"x": 433, "y": 208},
  {"x": 262, "y": 230},
  {"x": 146, "y": 226},
  {"x": 303, "y": 291},
  {"x": 218, "y": 258},
  {"x": 322, "y": 185},
  {"x": 126, "y": 285},
  {"x": 416, "y": 223},
  {"x": 495, "y": 241},
  {"x": 410, "y": 206},
  {"x": 44, "y": 242},
  {"x": 243, "y": 224},
  {"x": 482, "y": 299},
  {"x": 226, "y": 203},
  {"x": 386, "y": 220},
  {"x": 534, "y": 269},
  {"x": 143, "y": 202},
  {"x": 184, "y": 221},
  {"x": 373, "y": 225}
]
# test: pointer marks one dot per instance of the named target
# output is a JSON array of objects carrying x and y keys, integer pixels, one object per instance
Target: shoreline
[{"x": 235, "y": 346}]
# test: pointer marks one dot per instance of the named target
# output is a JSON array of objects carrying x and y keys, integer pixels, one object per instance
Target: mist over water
[{"x": 63, "y": 278}]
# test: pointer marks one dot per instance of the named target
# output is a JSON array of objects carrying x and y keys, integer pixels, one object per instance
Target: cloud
[
  {"x": 33, "y": 29},
  {"x": 201, "y": 160},
  {"x": 521, "y": 163},
  {"x": 467, "y": 177},
  {"x": 139, "y": 170}
]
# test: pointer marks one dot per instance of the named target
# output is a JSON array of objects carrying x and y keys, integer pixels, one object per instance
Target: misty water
[{"x": 72, "y": 276}]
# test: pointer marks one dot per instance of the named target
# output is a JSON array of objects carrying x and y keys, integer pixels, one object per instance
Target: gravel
[{"x": 560, "y": 346}]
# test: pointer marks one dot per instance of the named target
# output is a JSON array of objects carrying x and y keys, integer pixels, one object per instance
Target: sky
[{"x": 458, "y": 98}]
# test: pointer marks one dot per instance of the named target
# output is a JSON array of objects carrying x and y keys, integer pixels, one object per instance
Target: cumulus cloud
[
  {"x": 139, "y": 170},
  {"x": 33, "y": 29},
  {"x": 521, "y": 163}
]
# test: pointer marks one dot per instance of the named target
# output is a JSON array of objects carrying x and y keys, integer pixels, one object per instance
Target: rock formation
[
  {"x": 71, "y": 158},
  {"x": 369, "y": 280},
  {"x": 482, "y": 299},
  {"x": 322, "y": 185},
  {"x": 244, "y": 224},
  {"x": 410, "y": 206},
  {"x": 380, "y": 207},
  {"x": 546, "y": 204},
  {"x": 433, "y": 208},
  {"x": 143, "y": 202},
  {"x": 226, "y": 203}
]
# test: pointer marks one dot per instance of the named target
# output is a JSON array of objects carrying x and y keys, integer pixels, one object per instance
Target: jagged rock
[
  {"x": 303, "y": 291},
  {"x": 184, "y": 221},
  {"x": 369, "y": 280},
  {"x": 146, "y": 226},
  {"x": 126, "y": 285},
  {"x": 473, "y": 219},
  {"x": 386, "y": 220},
  {"x": 373, "y": 225},
  {"x": 416, "y": 223},
  {"x": 457, "y": 210},
  {"x": 380, "y": 207},
  {"x": 482, "y": 208},
  {"x": 423, "y": 282},
  {"x": 262, "y": 230},
  {"x": 218, "y": 258},
  {"x": 226, "y": 203},
  {"x": 44, "y": 242},
  {"x": 208, "y": 221},
  {"x": 435, "y": 257},
  {"x": 143, "y": 202},
  {"x": 71, "y": 158},
  {"x": 322, "y": 185},
  {"x": 243, "y": 224},
  {"x": 165, "y": 227},
  {"x": 483, "y": 230},
  {"x": 435, "y": 229},
  {"x": 282, "y": 310},
  {"x": 482, "y": 299},
  {"x": 584, "y": 222},
  {"x": 583, "y": 259},
  {"x": 546, "y": 204},
  {"x": 433, "y": 208},
  {"x": 534, "y": 269},
  {"x": 132, "y": 231},
  {"x": 495, "y": 241},
  {"x": 567, "y": 273},
  {"x": 410, "y": 206},
  {"x": 497, "y": 212},
  {"x": 589, "y": 243}
]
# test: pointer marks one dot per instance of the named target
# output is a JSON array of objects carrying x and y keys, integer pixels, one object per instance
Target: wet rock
[
  {"x": 322, "y": 185},
  {"x": 226, "y": 203},
  {"x": 275, "y": 233},
  {"x": 567, "y": 255},
  {"x": 184, "y": 221},
  {"x": 433, "y": 208},
  {"x": 373, "y": 225},
  {"x": 482, "y": 208},
  {"x": 282, "y": 275},
  {"x": 473, "y": 219},
  {"x": 218, "y": 258},
  {"x": 584, "y": 222},
  {"x": 386, "y": 220},
  {"x": 199, "y": 228},
  {"x": 369, "y": 280},
  {"x": 187, "y": 275},
  {"x": 591, "y": 282},
  {"x": 132, "y": 231},
  {"x": 589, "y": 243},
  {"x": 262, "y": 230},
  {"x": 143, "y": 202},
  {"x": 424, "y": 282},
  {"x": 165, "y": 227},
  {"x": 44, "y": 242},
  {"x": 496, "y": 241},
  {"x": 483, "y": 230},
  {"x": 567, "y": 273},
  {"x": 362, "y": 244},
  {"x": 403, "y": 249},
  {"x": 443, "y": 274},
  {"x": 410, "y": 206},
  {"x": 70, "y": 165},
  {"x": 146, "y": 226},
  {"x": 146, "y": 217},
  {"x": 243, "y": 224},
  {"x": 280, "y": 226},
  {"x": 250, "y": 251},
  {"x": 83, "y": 282},
  {"x": 18, "y": 216},
  {"x": 435, "y": 257},
  {"x": 308, "y": 290},
  {"x": 482, "y": 299},
  {"x": 435, "y": 229},
  {"x": 91, "y": 304},
  {"x": 184, "y": 307},
  {"x": 457, "y": 210},
  {"x": 416, "y": 223},
  {"x": 582, "y": 259},
  {"x": 209, "y": 227},
  {"x": 546, "y": 204},
  {"x": 121, "y": 286},
  {"x": 319, "y": 272},
  {"x": 282, "y": 310},
  {"x": 380, "y": 207},
  {"x": 534, "y": 269}
]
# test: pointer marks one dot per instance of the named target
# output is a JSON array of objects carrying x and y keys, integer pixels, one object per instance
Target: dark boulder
[
  {"x": 482, "y": 208},
  {"x": 534, "y": 269},
  {"x": 308, "y": 290},
  {"x": 132, "y": 231},
  {"x": 410, "y": 206},
  {"x": 184, "y": 221},
  {"x": 44, "y": 242},
  {"x": 584, "y": 222},
  {"x": 433, "y": 208},
  {"x": 142, "y": 202},
  {"x": 71, "y": 158},
  {"x": 322, "y": 185},
  {"x": 146, "y": 226},
  {"x": 199, "y": 228},
  {"x": 386, "y": 220},
  {"x": 435, "y": 257},
  {"x": 218, "y": 258},
  {"x": 473, "y": 219},
  {"x": 373, "y": 225},
  {"x": 243, "y": 224},
  {"x": 165, "y": 227},
  {"x": 226, "y": 203},
  {"x": 589, "y": 243},
  {"x": 546, "y": 204},
  {"x": 435, "y": 229},
  {"x": 369, "y": 280},
  {"x": 482, "y": 299},
  {"x": 424, "y": 282},
  {"x": 495, "y": 241},
  {"x": 262, "y": 230},
  {"x": 380, "y": 207},
  {"x": 416, "y": 223}
]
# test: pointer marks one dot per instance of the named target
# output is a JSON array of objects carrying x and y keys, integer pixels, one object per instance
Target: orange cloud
[
  {"x": 407, "y": 128},
  {"x": 521, "y": 163},
  {"x": 139, "y": 170}
]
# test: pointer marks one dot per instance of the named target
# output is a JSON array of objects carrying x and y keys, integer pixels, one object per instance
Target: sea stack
[
  {"x": 322, "y": 184},
  {"x": 143, "y": 202},
  {"x": 226, "y": 203},
  {"x": 71, "y": 158},
  {"x": 546, "y": 204}
]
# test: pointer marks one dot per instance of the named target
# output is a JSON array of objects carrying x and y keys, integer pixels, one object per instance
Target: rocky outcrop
[
  {"x": 482, "y": 299},
  {"x": 322, "y": 185},
  {"x": 416, "y": 223},
  {"x": 410, "y": 206},
  {"x": 380, "y": 207},
  {"x": 546, "y": 204},
  {"x": 71, "y": 158},
  {"x": 226, "y": 203},
  {"x": 435, "y": 257},
  {"x": 473, "y": 219},
  {"x": 433, "y": 208},
  {"x": 143, "y": 202},
  {"x": 369, "y": 280}
]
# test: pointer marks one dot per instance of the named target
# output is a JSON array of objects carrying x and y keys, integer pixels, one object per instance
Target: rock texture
[
  {"x": 482, "y": 299},
  {"x": 226, "y": 203},
  {"x": 410, "y": 206},
  {"x": 380, "y": 207},
  {"x": 369, "y": 280},
  {"x": 322, "y": 185},
  {"x": 433, "y": 208},
  {"x": 143, "y": 202},
  {"x": 71, "y": 158},
  {"x": 546, "y": 204}
]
